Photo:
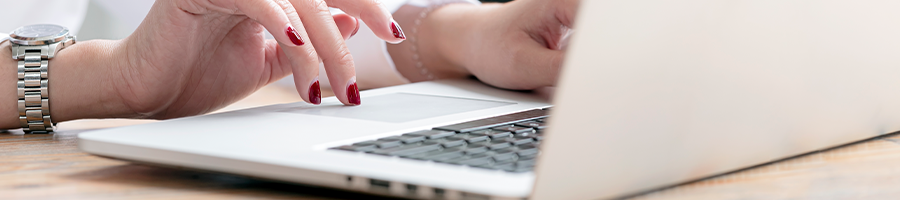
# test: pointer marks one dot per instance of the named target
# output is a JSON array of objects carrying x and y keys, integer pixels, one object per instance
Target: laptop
[{"x": 653, "y": 93}]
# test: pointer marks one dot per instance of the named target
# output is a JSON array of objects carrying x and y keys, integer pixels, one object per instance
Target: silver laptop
[{"x": 653, "y": 93}]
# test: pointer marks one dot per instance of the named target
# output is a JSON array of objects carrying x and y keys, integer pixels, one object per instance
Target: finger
[
  {"x": 281, "y": 64},
  {"x": 375, "y": 15},
  {"x": 346, "y": 24},
  {"x": 278, "y": 62},
  {"x": 280, "y": 19},
  {"x": 303, "y": 56},
  {"x": 327, "y": 39},
  {"x": 272, "y": 16}
]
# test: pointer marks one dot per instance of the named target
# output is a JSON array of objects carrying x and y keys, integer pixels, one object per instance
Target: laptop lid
[{"x": 656, "y": 92}]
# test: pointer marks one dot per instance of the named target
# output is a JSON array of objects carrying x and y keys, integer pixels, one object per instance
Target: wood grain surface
[{"x": 52, "y": 167}]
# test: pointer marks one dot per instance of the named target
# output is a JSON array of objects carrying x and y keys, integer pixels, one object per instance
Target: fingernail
[
  {"x": 398, "y": 33},
  {"x": 295, "y": 37},
  {"x": 315, "y": 92},
  {"x": 357, "y": 28},
  {"x": 353, "y": 92}
]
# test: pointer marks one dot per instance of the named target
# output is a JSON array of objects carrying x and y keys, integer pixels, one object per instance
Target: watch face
[{"x": 39, "y": 31}]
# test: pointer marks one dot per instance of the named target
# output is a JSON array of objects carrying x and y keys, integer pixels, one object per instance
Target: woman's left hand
[{"x": 517, "y": 45}]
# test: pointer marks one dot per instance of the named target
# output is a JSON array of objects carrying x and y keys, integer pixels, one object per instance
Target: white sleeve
[{"x": 68, "y": 13}]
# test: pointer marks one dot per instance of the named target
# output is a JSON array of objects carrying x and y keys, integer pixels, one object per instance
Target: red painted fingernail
[
  {"x": 398, "y": 33},
  {"x": 295, "y": 37},
  {"x": 357, "y": 28},
  {"x": 315, "y": 93},
  {"x": 353, "y": 94}
]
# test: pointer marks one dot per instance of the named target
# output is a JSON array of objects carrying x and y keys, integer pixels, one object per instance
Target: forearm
[{"x": 80, "y": 84}]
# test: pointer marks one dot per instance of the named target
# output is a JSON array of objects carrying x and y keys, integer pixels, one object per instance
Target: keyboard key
[
  {"x": 485, "y": 166},
  {"x": 527, "y": 150},
  {"x": 478, "y": 159},
  {"x": 459, "y": 160},
  {"x": 388, "y": 143},
  {"x": 444, "y": 154},
  {"x": 432, "y": 134},
  {"x": 409, "y": 149},
  {"x": 494, "y": 134},
  {"x": 533, "y": 124},
  {"x": 504, "y": 159},
  {"x": 495, "y": 121},
  {"x": 526, "y": 134},
  {"x": 527, "y": 157},
  {"x": 526, "y": 163},
  {"x": 391, "y": 138},
  {"x": 504, "y": 154},
  {"x": 411, "y": 138},
  {"x": 536, "y": 135},
  {"x": 471, "y": 137},
  {"x": 452, "y": 142},
  {"x": 513, "y": 128},
  {"x": 361, "y": 146},
  {"x": 356, "y": 148},
  {"x": 517, "y": 140},
  {"x": 498, "y": 144},
  {"x": 505, "y": 166},
  {"x": 521, "y": 169},
  {"x": 476, "y": 148}
]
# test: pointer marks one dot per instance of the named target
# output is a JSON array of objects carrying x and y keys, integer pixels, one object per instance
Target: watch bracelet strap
[{"x": 34, "y": 103}]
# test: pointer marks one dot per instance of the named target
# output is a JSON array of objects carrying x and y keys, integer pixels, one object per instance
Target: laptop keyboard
[{"x": 507, "y": 142}]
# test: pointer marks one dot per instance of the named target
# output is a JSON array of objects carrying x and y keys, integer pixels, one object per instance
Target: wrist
[
  {"x": 459, "y": 33},
  {"x": 446, "y": 33},
  {"x": 9, "y": 111},
  {"x": 430, "y": 51},
  {"x": 82, "y": 84}
]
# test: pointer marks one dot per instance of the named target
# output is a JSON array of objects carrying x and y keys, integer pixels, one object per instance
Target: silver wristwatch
[{"x": 33, "y": 46}]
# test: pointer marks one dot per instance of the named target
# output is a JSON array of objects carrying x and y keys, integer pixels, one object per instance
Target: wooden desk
[{"x": 51, "y": 166}]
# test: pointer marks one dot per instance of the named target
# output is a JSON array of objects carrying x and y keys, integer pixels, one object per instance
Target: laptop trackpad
[{"x": 399, "y": 107}]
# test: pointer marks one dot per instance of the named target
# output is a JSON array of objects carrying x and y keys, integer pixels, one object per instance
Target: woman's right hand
[{"x": 190, "y": 57}]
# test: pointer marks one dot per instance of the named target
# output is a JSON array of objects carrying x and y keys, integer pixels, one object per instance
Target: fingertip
[
  {"x": 315, "y": 92},
  {"x": 348, "y": 94},
  {"x": 396, "y": 32},
  {"x": 353, "y": 92}
]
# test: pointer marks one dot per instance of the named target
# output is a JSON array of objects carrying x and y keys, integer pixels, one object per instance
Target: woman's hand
[
  {"x": 190, "y": 57},
  {"x": 517, "y": 45}
]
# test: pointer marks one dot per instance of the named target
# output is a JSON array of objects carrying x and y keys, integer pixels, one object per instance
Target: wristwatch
[{"x": 33, "y": 46}]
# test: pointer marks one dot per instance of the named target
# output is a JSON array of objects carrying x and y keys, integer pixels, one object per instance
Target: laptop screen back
[{"x": 656, "y": 93}]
